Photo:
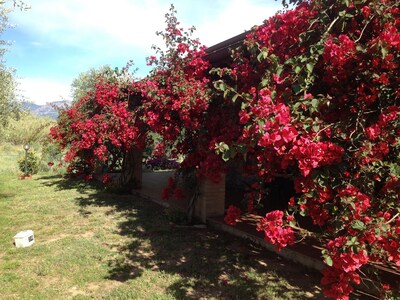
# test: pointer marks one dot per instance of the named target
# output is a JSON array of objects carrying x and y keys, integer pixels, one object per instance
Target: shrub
[{"x": 32, "y": 163}]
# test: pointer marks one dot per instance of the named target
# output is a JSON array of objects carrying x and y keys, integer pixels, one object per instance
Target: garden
[
  {"x": 94, "y": 244},
  {"x": 310, "y": 96}
]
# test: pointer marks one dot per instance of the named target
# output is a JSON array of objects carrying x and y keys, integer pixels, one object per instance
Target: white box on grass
[{"x": 24, "y": 238}]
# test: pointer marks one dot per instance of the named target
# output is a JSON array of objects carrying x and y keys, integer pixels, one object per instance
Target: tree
[
  {"x": 29, "y": 128},
  {"x": 85, "y": 82},
  {"x": 9, "y": 106}
]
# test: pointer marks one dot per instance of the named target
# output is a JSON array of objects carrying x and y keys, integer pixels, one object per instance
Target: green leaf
[
  {"x": 352, "y": 241},
  {"x": 314, "y": 102},
  {"x": 377, "y": 231},
  {"x": 297, "y": 69},
  {"x": 221, "y": 147},
  {"x": 296, "y": 106},
  {"x": 360, "y": 48},
  {"x": 259, "y": 57},
  {"x": 279, "y": 70},
  {"x": 273, "y": 94},
  {"x": 264, "y": 52},
  {"x": 226, "y": 92},
  {"x": 395, "y": 169},
  {"x": 264, "y": 83},
  {"x": 384, "y": 52},
  {"x": 358, "y": 225},
  {"x": 310, "y": 67},
  {"x": 262, "y": 55},
  {"x": 220, "y": 85},
  {"x": 328, "y": 260},
  {"x": 228, "y": 154}
]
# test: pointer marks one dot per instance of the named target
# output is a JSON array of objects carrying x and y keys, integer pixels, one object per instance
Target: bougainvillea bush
[
  {"x": 100, "y": 130},
  {"x": 177, "y": 96},
  {"x": 318, "y": 87}
]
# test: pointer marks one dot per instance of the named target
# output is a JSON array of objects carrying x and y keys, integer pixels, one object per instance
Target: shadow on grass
[
  {"x": 203, "y": 263},
  {"x": 64, "y": 183}
]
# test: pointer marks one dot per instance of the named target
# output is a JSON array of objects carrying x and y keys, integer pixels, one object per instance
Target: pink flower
[
  {"x": 372, "y": 132},
  {"x": 274, "y": 230},
  {"x": 106, "y": 178},
  {"x": 182, "y": 47}
]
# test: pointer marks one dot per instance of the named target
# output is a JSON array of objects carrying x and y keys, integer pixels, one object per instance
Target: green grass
[
  {"x": 9, "y": 155},
  {"x": 91, "y": 244}
]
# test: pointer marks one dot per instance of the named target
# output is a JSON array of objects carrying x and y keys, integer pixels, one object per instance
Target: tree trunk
[{"x": 131, "y": 173}]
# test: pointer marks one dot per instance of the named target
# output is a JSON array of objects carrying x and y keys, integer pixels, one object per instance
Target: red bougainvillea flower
[
  {"x": 233, "y": 215},
  {"x": 275, "y": 231}
]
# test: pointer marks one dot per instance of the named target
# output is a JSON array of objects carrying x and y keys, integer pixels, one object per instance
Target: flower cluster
[
  {"x": 99, "y": 128},
  {"x": 342, "y": 272},
  {"x": 232, "y": 215},
  {"x": 275, "y": 231}
]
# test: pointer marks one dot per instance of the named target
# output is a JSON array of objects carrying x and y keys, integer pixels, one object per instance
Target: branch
[
  {"x": 362, "y": 31},
  {"x": 331, "y": 25},
  {"x": 392, "y": 219},
  {"x": 323, "y": 129}
]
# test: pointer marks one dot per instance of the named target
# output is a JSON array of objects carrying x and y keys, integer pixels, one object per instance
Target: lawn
[{"x": 91, "y": 244}]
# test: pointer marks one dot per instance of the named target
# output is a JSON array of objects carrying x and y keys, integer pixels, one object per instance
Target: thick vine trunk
[
  {"x": 131, "y": 173},
  {"x": 192, "y": 205}
]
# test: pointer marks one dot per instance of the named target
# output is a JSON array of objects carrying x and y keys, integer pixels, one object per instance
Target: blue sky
[{"x": 57, "y": 39}]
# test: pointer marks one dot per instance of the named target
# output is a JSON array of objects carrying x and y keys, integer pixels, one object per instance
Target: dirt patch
[
  {"x": 75, "y": 291},
  {"x": 105, "y": 287}
]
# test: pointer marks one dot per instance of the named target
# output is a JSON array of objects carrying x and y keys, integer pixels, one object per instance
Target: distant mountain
[{"x": 46, "y": 110}]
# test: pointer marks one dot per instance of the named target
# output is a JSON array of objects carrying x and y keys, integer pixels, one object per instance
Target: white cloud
[
  {"x": 100, "y": 32},
  {"x": 95, "y": 24},
  {"x": 42, "y": 91},
  {"x": 133, "y": 23}
]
